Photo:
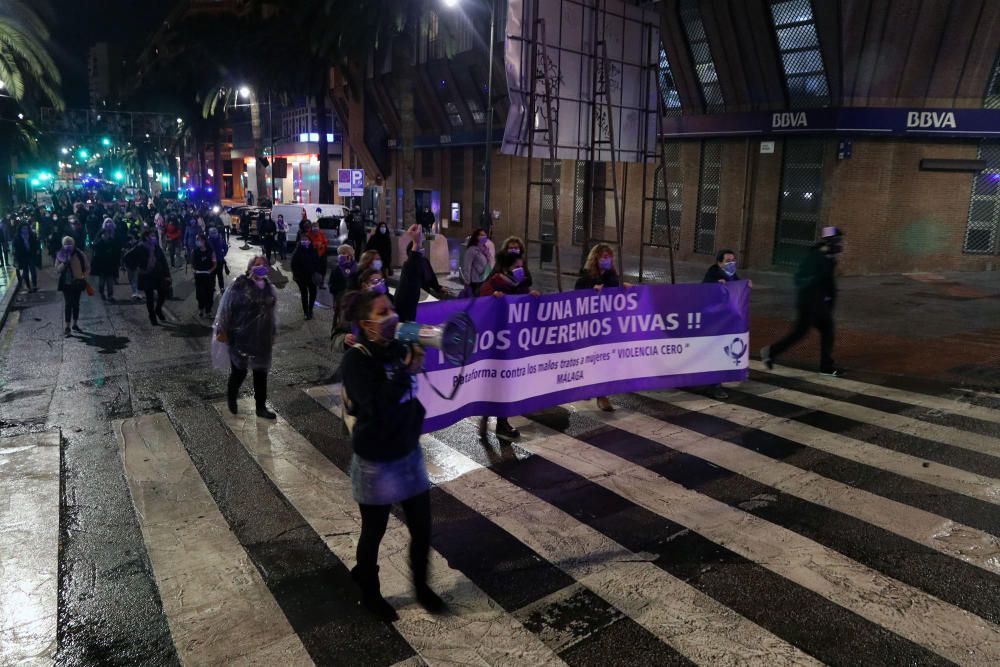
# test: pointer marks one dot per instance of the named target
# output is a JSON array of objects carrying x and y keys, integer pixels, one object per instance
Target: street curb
[{"x": 8, "y": 299}]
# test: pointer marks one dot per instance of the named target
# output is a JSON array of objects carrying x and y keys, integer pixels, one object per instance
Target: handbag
[{"x": 87, "y": 286}]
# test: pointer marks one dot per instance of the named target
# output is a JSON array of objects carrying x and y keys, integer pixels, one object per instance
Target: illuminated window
[
  {"x": 454, "y": 117},
  {"x": 478, "y": 115},
  {"x": 701, "y": 54},
  {"x": 668, "y": 88},
  {"x": 992, "y": 99},
  {"x": 801, "y": 58},
  {"x": 982, "y": 236}
]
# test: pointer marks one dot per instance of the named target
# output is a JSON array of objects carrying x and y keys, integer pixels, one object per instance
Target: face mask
[
  {"x": 259, "y": 271},
  {"x": 68, "y": 248},
  {"x": 377, "y": 264},
  {"x": 381, "y": 229},
  {"x": 605, "y": 263},
  {"x": 344, "y": 261},
  {"x": 306, "y": 243},
  {"x": 517, "y": 274},
  {"x": 387, "y": 326},
  {"x": 482, "y": 240},
  {"x": 379, "y": 286},
  {"x": 201, "y": 244},
  {"x": 729, "y": 268},
  {"x": 516, "y": 252}
]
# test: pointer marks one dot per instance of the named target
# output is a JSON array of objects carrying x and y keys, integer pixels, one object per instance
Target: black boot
[
  {"x": 371, "y": 596},
  {"x": 231, "y": 402},
  {"x": 264, "y": 413},
  {"x": 505, "y": 430}
]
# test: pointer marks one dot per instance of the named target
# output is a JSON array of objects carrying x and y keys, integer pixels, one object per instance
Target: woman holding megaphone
[{"x": 380, "y": 394}]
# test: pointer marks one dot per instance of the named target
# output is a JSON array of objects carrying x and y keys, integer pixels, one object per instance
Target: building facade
[{"x": 781, "y": 117}]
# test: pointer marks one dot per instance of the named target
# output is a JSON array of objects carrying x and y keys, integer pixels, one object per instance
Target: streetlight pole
[{"x": 486, "y": 220}]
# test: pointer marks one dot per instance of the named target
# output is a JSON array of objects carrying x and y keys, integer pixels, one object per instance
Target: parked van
[{"x": 293, "y": 212}]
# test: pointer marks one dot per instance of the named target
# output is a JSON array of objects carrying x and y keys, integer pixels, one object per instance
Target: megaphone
[{"x": 456, "y": 337}]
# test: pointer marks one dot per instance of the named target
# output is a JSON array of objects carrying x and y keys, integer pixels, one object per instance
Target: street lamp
[
  {"x": 244, "y": 91},
  {"x": 486, "y": 218}
]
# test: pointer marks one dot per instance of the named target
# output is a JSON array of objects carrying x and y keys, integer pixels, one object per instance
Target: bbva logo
[
  {"x": 923, "y": 119},
  {"x": 795, "y": 119}
]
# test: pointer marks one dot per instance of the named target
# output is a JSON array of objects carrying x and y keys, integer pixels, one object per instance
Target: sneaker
[
  {"x": 719, "y": 393},
  {"x": 833, "y": 373},
  {"x": 231, "y": 404},
  {"x": 66, "y": 331},
  {"x": 765, "y": 356},
  {"x": 604, "y": 404}
]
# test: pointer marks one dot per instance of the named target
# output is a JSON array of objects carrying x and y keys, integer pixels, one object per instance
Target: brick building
[{"x": 782, "y": 116}]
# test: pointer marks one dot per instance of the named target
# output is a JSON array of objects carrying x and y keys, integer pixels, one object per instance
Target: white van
[{"x": 293, "y": 212}]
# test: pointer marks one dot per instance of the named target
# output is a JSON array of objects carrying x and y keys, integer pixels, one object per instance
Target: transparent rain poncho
[{"x": 249, "y": 318}]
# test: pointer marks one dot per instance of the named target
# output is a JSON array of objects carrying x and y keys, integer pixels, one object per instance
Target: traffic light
[
  {"x": 106, "y": 141},
  {"x": 83, "y": 153},
  {"x": 119, "y": 176}
]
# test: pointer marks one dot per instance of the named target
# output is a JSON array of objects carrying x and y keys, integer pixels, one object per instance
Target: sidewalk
[
  {"x": 943, "y": 328},
  {"x": 8, "y": 290}
]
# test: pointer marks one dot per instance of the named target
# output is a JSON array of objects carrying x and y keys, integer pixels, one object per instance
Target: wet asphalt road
[{"x": 109, "y": 607}]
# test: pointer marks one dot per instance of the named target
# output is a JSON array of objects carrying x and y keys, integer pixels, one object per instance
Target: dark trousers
[
  {"x": 307, "y": 288},
  {"x": 375, "y": 518},
  {"x": 71, "y": 297},
  {"x": 28, "y": 275},
  {"x": 236, "y": 378},
  {"x": 204, "y": 289},
  {"x": 282, "y": 245},
  {"x": 155, "y": 297},
  {"x": 218, "y": 274},
  {"x": 173, "y": 246},
  {"x": 106, "y": 286},
  {"x": 810, "y": 314},
  {"x": 267, "y": 246}
]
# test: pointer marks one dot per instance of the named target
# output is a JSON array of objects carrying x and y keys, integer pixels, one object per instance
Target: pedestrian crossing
[{"x": 677, "y": 530}]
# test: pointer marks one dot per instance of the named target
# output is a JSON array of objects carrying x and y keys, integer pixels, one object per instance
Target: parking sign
[{"x": 351, "y": 182}]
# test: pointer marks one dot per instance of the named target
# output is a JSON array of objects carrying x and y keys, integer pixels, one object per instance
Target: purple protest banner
[{"x": 536, "y": 352}]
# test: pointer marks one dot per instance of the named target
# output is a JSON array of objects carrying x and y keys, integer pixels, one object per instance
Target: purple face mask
[
  {"x": 259, "y": 271},
  {"x": 605, "y": 263},
  {"x": 379, "y": 287},
  {"x": 517, "y": 274}
]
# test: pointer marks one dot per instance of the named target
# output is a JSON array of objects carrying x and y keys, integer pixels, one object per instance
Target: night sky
[{"x": 78, "y": 24}]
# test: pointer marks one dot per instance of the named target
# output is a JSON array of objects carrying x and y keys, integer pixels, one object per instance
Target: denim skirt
[{"x": 388, "y": 482}]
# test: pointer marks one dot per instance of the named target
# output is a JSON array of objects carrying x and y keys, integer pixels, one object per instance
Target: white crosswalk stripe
[
  {"x": 941, "y": 534},
  {"x": 478, "y": 632},
  {"x": 959, "y": 405},
  {"x": 218, "y": 607},
  {"x": 946, "y": 435},
  {"x": 954, "y": 634},
  {"x": 29, "y": 548},
  {"x": 967, "y": 483}
]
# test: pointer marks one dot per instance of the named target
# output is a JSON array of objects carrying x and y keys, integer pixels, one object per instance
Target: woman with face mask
[
  {"x": 509, "y": 277},
  {"x": 153, "y": 274},
  {"x": 369, "y": 260},
  {"x": 204, "y": 264},
  {"x": 381, "y": 242},
  {"x": 341, "y": 277},
  {"x": 132, "y": 241},
  {"x": 599, "y": 272},
  {"x": 305, "y": 265},
  {"x": 514, "y": 246},
  {"x": 71, "y": 265},
  {"x": 476, "y": 263},
  {"x": 387, "y": 466},
  {"x": 247, "y": 322}
]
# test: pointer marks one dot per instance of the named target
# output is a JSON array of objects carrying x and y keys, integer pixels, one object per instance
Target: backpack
[{"x": 346, "y": 404}]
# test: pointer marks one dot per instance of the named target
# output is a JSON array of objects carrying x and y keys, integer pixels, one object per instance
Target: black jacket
[
  {"x": 715, "y": 274},
  {"x": 26, "y": 254},
  {"x": 382, "y": 244},
  {"x": 149, "y": 278},
  {"x": 106, "y": 257},
  {"x": 416, "y": 275},
  {"x": 816, "y": 279},
  {"x": 383, "y": 398},
  {"x": 203, "y": 259},
  {"x": 305, "y": 263},
  {"x": 607, "y": 279}
]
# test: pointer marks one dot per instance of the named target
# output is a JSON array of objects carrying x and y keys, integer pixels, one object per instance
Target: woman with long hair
[
  {"x": 476, "y": 263},
  {"x": 599, "y": 272}
]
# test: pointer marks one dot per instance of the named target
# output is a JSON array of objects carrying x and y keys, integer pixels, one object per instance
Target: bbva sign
[
  {"x": 792, "y": 119},
  {"x": 927, "y": 119}
]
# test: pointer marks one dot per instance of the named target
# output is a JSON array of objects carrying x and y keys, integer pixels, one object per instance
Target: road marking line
[
  {"x": 941, "y": 534},
  {"x": 216, "y": 603},
  {"x": 946, "y": 477},
  {"x": 693, "y": 623},
  {"x": 951, "y": 632},
  {"x": 946, "y": 435},
  {"x": 951, "y": 405},
  {"x": 29, "y": 548},
  {"x": 477, "y": 632}
]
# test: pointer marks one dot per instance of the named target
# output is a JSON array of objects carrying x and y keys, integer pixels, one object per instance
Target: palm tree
[{"x": 28, "y": 76}]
